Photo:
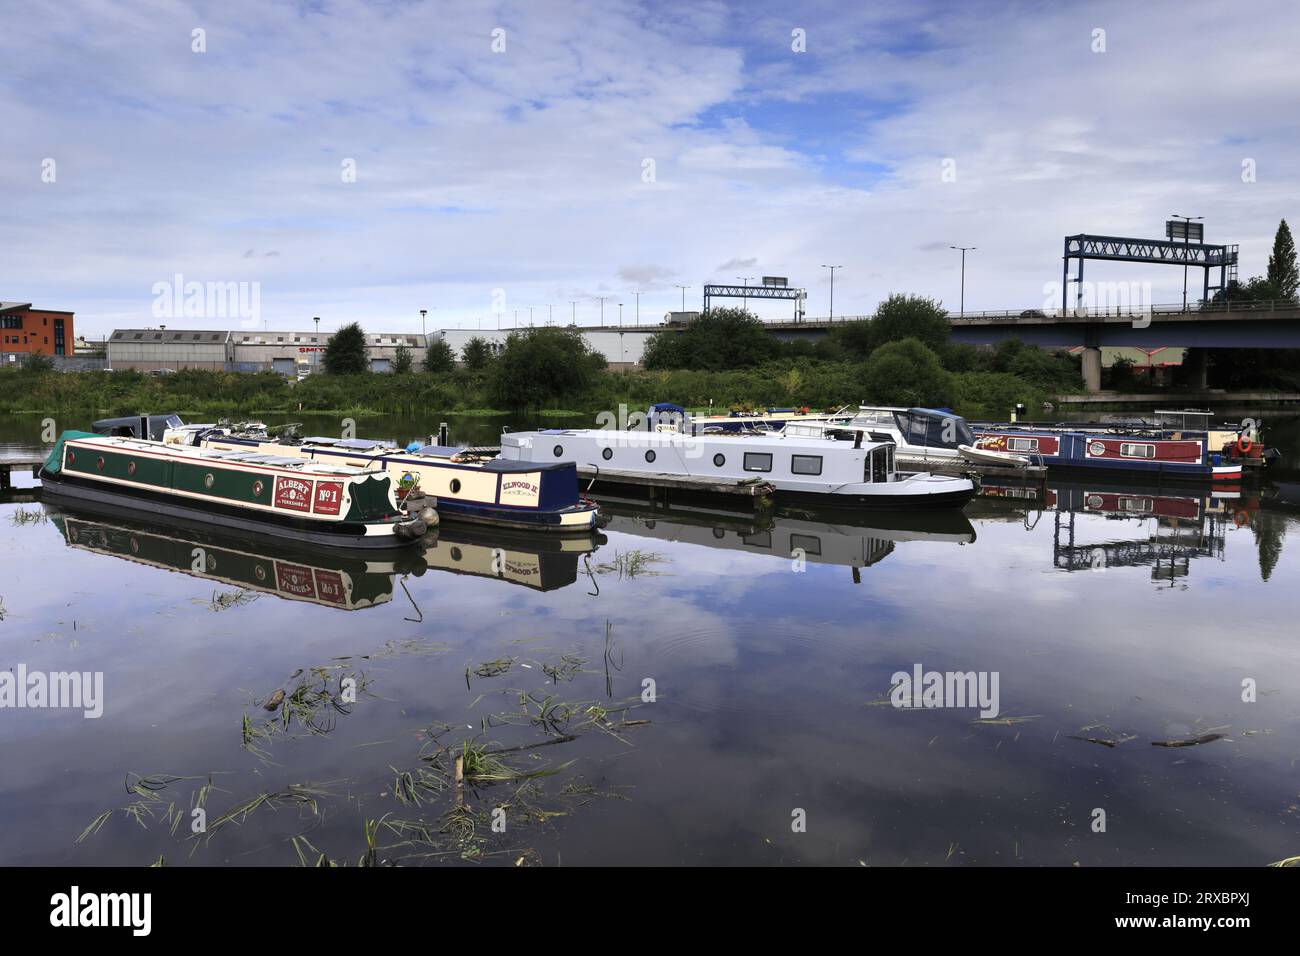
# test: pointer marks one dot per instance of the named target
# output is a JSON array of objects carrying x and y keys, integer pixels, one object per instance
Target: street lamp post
[
  {"x": 638, "y": 307},
  {"x": 573, "y": 316},
  {"x": 744, "y": 299},
  {"x": 602, "y": 299},
  {"x": 1187, "y": 235},
  {"x": 315, "y": 350},
  {"x": 683, "y": 288},
  {"x": 964, "y": 250},
  {"x": 620, "y": 315},
  {"x": 832, "y": 268}
]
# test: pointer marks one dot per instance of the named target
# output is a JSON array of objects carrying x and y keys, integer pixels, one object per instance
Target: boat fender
[
  {"x": 429, "y": 517},
  {"x": 410, "y": 530},
  {"x": 1240, "y": 518}
]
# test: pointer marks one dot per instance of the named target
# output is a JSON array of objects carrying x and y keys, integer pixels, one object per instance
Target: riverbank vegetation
[{"x": 723, "y": 360}]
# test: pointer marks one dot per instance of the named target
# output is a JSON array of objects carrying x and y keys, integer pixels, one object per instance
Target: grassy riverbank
[{"x": 203, "y": 394}]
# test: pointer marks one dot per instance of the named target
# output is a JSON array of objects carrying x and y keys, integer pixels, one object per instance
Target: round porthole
[
  {"x": 130, "y": 468},
  {"x": 719, "y": 533},
  {"x": 1096, "y": 448},
  {"x": 258, "y": 488},
  {"x": 456, "y": 554},
  {"x": 100, "y": 463},
  {"x": 650, "y": 455},
  {"x": 135, "y": 546},
  {"x": 607, "y": 454},
  {"x": 559, "y": 451},
  {"x": 1094, "y": 502},
  {"x": 260, "y": 573},
  {"x": 209, "y": 480},
  {"x": 719, "y": 460},
  {"x": 72, "y": 457},
  {"x": 455, "y": 486}
]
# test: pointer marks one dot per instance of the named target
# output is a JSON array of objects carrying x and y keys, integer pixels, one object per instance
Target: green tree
[
  {"x": 910, "y": 317},
  {"x": 907, "y": 373},
  {"x": 402, "y": 361},
  {"x": 477, "y": 354},
  {"x": 1283, "y": 274},
  {"x": 345, "y": 352},
  {"x": 38, "y": 362},
  {"x": 851, "y": 339},
  {"x": 542, "y": 364},
  {"x": 716, "y": 340},
  {"x": 439, "y": 358}
]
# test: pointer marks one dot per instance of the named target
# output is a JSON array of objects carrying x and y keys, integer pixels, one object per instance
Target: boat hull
[
  {"x": 142, "y": 503},
  {"x": 547, "y": 495}
]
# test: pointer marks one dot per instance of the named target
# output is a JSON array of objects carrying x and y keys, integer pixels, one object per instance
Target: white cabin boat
[{"x": 852, "y": 473}]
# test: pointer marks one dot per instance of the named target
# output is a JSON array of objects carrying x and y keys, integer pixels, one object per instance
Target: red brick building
[{"x": 28, "y": 331}]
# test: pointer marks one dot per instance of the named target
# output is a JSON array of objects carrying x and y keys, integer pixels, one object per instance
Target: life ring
[
  {"x": 1240, "y": 518},
  {"x": 1244, "y": 444}
]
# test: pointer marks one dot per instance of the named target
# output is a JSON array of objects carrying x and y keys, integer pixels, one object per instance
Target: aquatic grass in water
[
  {"x": 631, "y": 564},
  {"x": 28, "y": 516}
]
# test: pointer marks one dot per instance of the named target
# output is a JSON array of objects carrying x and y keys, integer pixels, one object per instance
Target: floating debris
[
  {"x": 1189, "y": 741},
  {"x": 273, "y": 702}
]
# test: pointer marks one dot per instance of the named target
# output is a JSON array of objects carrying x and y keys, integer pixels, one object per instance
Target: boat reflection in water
[
  {"x": 1164, "y": 529},
  {"x": 854, "y": 540},
  {"x": 329, "y": 577},
  {"x": 540, "y": 561}
]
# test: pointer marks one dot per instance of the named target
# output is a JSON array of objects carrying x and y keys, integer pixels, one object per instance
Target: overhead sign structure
[
  {"x": 1179, "y": 230},
  {"x": 764, "y": 291},
  {"x": 1155, "y": 251}
]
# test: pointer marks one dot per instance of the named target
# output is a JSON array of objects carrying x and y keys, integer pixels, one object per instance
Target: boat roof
[
  {"x": 634, "y": 439},
  {"x": 235, "y": 456}
]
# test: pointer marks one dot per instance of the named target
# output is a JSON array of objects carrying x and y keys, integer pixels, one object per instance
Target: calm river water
[{"x": 682, "y": 688}]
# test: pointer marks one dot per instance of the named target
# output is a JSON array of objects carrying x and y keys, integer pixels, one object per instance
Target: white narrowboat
[{"x": 856, "y": 473}]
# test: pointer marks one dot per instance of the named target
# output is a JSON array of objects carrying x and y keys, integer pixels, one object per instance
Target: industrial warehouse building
[{"x": 289, "y": 353}]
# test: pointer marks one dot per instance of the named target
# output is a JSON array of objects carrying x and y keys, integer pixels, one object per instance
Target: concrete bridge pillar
[
  {"x": 1092, "y": 369},
  {"x": 1197, "y": 367}
]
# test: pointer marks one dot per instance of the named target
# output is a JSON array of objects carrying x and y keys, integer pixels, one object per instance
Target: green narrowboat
[{"x": 269, "y": 495}]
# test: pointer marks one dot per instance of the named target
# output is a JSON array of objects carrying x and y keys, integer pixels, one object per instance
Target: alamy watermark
[
  {"x": 934, "y": 689},
  {"x": 176, "y": 298},
  {"x": 76, "y": 690}
]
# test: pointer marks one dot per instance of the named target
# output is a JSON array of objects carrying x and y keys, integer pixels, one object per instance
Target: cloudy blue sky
[{"x": 518, "y": 178}]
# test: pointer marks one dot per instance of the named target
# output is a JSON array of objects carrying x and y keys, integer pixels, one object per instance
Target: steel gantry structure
[
  {"x": 757, "y": 292},
  {"x": 1157, "y": 251}
]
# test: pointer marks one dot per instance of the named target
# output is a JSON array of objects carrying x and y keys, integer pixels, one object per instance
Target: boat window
[
  {"x": 1022, "y": 444},
  {"x": 455, "y": 486},
  {"x": 1135, "y": 504},
  {"x": 934, "y": 431},
  {"x": 1129, "y": 450},
  {"x": 650, "y": 455},
  {"x": 719, "y": 460},
  {"x": 761, "y": 540},
  {"x": 809, "y": 544},
  {"x": 806, "y": 464},
  {"x": 607, "y": 454},
  {"x": 879, "y": 464},
  {"x": 559, "y": 450},
  {"x": 754, "y": 461}
]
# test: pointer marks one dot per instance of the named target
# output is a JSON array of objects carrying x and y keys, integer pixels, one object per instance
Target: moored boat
[
  {"x": 1137, "y": 452},
  {"x": 273, "y": 496},
  {"x": 860, "y": 474},
  {"x": 468, "y": 484}
]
